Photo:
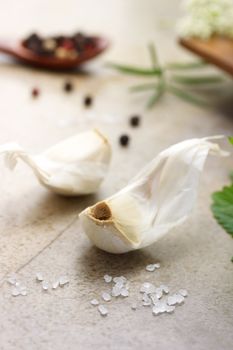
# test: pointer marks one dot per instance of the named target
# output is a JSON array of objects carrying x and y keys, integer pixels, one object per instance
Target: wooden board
[{"x": 216, "y": 50}]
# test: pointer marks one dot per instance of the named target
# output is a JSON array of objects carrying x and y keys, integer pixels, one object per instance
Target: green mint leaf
[
  {"x": 222, "y": 208},
  {"x": 230, "y": 138}
]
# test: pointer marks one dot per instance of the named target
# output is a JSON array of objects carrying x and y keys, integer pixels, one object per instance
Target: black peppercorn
[
  {"x": 68, "y": 86},
  {"x": 134, "y": 121},
  {"x": 88, "y": 101},
  {"x": 35, "y": 92},
  {"x": 124, "y": 140}
]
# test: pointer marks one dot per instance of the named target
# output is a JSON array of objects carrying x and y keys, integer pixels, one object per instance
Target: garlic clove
[
  {"x": 75, "y": 166},
  {"x": 159, "y": 198}
]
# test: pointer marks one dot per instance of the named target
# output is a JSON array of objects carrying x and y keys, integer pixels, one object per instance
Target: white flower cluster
[{"x": 206, "y": 18}]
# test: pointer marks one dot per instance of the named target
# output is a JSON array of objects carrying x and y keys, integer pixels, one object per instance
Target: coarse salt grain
[
  {"x": 124, "y": 292},
  {"x": 107, "y": 278},
  {"x": 164, "y": 288},
  {"x": 94, "y": 302},
  {"x": 147, "y": 288},
  {"x": 103, "y": 310},
  {"x": 183, "y": 292},
  {"x": 116, "y": 291},
  {"x": 24, "y": 292},
  {"x": 106, "y": 296},
  {"x": 134, "y": 306},
  {"x": 39, "y": 277},
  {"x": 63, "y": 280},
  {"x": 175, "y": 299},
  {"x": 170, "y": 309},
  {"x": 159, "y": 293},
  {"x": 159, "y": 307},
  {"x": 120, "y": 279},
  {"x": 152, "y": 267},
  {"x": 45, "y": 285},
  {"x": 15, "y": 292},
  {"x": 55, "y": 284},
  {"x": 12, "y": 279}
]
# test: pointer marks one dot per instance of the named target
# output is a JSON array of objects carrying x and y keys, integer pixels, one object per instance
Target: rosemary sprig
[
  {"x": 197, "y": 80},
  {"x": 135, "y": 70},
  {"x": 167, "y": 80},
  {"x": 186, "y": 96},
  {"x": 186, "y": 66}
]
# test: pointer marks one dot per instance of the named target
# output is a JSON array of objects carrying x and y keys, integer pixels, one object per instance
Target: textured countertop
[{"x": 40, "y": 232}]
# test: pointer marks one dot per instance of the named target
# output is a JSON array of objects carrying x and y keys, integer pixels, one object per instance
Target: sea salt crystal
[
  {"x": 120, "y": 279},
  {"x": 12, "y": 279},
  {"x": 39, "y": 277},
  {"x": 152, "y": 267},
  {"x": 106, "y": 296},
  {"x": 15, "y": 292},
  {"x": 103, "y": 310},
  {"x": 154, "y": 298},
  {"x": 21, "y": 288},
  {"x": 164, "y": 288},
  {"x": 170, "y": 309},
  {"x": 55, "y": 284},
  {"x": 94, "y": 302},
  {"x": 134, "y": 306},
  {"x": 116, "y": 291},
  {"x": 63, "y": 280},
  {"x": 146, "y": 303},
  {"x": 179, "y": 298},
  {"x": 159, "y": 293},
  {"x": 119, "y": 285},
  {"x": 175, "y": 299},
  {"x": 107, "y": 278},
  {"x": 124, "y": 292},
  {"x": 183, "y": 292},
  {"x": 171, "y": 300},
  {"x": 146, "y": 298},
  {"x": 45, "y": 285},
  {"x": 23, "y": 292},
  {"x": 159, "y": 308},
  {"x": 147, "y": 288}
]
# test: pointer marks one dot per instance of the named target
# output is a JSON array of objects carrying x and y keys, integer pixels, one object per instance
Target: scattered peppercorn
[
  {"x": 35, "y": 92},
  {"x": 124, "y": 140},
  {"x": 88, "y": 101},
  {"x": 134, "y": 121},
  {"x": 68, "y": 86}
]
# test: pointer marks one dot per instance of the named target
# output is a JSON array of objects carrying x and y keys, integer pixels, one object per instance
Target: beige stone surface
[{"x": 40, "y": 231}]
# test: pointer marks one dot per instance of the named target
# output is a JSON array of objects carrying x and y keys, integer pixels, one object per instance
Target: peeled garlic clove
[
  {"x": 159, "y": 198},
  {"x": 74, "y": 166}
]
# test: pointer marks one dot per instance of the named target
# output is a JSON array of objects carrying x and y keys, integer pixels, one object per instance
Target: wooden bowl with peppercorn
[{"x": 55, "y": 52}]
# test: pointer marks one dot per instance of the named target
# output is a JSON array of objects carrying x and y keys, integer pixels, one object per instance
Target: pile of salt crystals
[
  {"x": 19, "y": 289},
  {"x": 156, "y": 298},
  {"x": 61, "y": 281}
]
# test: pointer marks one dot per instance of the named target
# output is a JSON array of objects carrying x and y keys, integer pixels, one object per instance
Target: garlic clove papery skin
[
  {"x": 75, "y": 166},
  {"x": 159, "y": 198}
]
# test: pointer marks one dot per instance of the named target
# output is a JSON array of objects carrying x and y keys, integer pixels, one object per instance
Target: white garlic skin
[
  {"x": 158, "y": 199},
  {"x": 75, "y": 166}
]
